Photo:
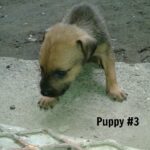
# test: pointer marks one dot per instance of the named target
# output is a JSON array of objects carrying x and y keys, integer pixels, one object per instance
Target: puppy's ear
[{"x": 87, "y": 45}]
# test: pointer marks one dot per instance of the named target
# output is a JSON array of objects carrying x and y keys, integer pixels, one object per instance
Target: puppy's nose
[{"x": 45, "y": 92}]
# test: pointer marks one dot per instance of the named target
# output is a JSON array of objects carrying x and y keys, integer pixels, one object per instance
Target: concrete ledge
[{"x": 79, "y": 108}]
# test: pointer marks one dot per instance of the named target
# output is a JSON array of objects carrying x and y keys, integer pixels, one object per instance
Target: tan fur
[
  {"x": 60, "y": 50},
  {"x": 65, "y": 47},
  {"x": 103, "y": 52}
]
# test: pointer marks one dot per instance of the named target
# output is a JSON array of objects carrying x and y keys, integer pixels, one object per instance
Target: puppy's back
[
  {"x": 80, "y": 14},
  {"x": 88, "y": 18}
]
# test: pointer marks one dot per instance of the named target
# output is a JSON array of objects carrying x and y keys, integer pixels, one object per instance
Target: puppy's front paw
[
  {"x": 117, "y": 94},
  {"x": 47, "y": 102}
]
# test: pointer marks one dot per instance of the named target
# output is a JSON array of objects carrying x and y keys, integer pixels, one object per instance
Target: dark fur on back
[{"x": 87, "y": 17}]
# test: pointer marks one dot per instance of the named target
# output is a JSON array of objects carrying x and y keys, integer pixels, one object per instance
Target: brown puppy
[{"x": 81, "y": 37}]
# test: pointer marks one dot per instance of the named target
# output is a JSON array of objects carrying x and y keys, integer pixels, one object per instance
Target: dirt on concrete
[{"x": 23, "y": 22}]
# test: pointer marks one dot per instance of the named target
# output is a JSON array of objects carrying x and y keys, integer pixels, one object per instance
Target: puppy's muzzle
[
  {"x": 52, "y": 92},
  {"x": 48, "y": 90}
]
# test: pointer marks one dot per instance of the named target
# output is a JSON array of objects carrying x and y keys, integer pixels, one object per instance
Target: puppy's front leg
[
  {"x": 47, "y": 102},
  {"x": 104, "y": 53}
]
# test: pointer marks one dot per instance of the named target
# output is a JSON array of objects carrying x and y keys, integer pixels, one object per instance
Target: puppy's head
[{"x": 62, "y": 55}]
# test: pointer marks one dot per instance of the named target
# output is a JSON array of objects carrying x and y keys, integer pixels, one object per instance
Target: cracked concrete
[{"x": 76, "y": 113}]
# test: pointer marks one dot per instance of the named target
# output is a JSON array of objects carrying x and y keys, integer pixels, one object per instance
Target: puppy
[{"x": 81, "y": 37}]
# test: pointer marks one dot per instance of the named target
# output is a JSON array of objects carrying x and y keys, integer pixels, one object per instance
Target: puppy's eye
[{"x": 59, "y": 74}]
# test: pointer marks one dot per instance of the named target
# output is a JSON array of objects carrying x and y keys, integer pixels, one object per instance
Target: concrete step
[{"x": 76, "y": 113}]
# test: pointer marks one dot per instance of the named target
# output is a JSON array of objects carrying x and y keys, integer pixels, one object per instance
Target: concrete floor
[{"x": 76, "y": 113}]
